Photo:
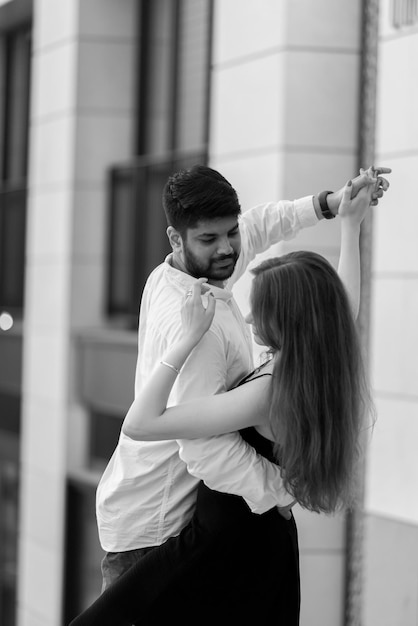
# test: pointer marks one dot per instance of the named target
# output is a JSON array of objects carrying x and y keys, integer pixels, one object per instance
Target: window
[
  {"x": 175, "y": 48},
  {"x": 15, "y": 48},
  {"x": 104, "y": 431},
  {"x": 15, "y": 56},
  {"x": 83, "y": 552},
  {"x": 404, "y": 13},
  {"x": 9, "y": 505},
  {"x": 83, "y": 578},
  {"x": 138, "y": 240},
  {"x": 173, "y": 123}
]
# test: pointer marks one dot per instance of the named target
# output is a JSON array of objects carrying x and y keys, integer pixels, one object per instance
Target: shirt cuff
[
  {"x": 285, "y": 499},
  {"x": 305, "y": 211}
]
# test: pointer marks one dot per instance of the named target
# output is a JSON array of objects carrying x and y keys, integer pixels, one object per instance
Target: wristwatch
[{"x": 322, "y": 199}]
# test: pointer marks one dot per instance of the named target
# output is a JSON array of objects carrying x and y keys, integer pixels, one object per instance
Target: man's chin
[{"x": 221, "y": 274}]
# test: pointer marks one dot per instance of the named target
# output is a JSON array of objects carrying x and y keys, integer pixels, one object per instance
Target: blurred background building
[{"x": 99, "y": 101}]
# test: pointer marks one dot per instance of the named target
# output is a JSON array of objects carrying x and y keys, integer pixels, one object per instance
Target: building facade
[{"x": 99, "y": 102}]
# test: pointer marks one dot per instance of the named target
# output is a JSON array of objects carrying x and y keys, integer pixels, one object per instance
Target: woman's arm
[
  {"x": 203, "y": 417},
  {"x": 352, "y": 212},
  {"x": 149, "y": 419}
]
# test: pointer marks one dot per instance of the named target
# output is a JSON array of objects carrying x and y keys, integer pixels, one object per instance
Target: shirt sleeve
[
  {"x": 225, "y": 463},
  {"x": 266, "y": 224},
  {"x": 204, "y": 373},
  {"x": 229, "y": 464}
]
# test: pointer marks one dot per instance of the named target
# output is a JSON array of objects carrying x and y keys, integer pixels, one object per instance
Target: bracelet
[
  {"x": 170, "y": 366},
  {"x": 322, "y": 199}
]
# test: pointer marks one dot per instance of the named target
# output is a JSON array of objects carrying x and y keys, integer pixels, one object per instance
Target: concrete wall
[
  {"x": 391, "y": 542},
  {"x": 81, "y": 121}
]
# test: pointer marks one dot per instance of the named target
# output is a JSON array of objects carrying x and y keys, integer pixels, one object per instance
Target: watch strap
[{"x": 322, "y": 199}]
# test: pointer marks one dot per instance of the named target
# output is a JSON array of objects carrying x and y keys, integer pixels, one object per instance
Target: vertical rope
[{"x": 367, "y": 124}]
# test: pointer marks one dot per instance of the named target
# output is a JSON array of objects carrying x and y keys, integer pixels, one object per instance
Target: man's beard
[{"x": 209, "y": 270}]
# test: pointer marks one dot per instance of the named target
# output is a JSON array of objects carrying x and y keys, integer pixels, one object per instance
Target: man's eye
[{"x": 208, "y": 240}]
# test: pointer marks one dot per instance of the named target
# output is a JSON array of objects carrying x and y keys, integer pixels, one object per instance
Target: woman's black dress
[{"x": 227, "y": 566}]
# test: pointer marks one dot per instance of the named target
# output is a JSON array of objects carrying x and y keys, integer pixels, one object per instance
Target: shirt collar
[{"x": 184, "y": 281}]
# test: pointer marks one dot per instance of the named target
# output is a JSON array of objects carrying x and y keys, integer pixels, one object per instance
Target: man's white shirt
[{"x": 148, "y": 490}]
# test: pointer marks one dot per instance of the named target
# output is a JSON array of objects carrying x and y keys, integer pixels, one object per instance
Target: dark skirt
[{"x": 228, "y": 566}]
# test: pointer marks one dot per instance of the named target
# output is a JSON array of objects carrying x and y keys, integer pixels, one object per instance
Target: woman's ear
[{"x": 175, "y": 239}]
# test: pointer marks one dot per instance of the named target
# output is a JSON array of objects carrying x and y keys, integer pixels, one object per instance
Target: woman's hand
[
  {"x": 355, "y": 209},
  {"x": 196, "y": 319}
]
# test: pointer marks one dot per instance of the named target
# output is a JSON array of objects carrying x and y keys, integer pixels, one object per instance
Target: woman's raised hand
[
  {"x": 355, "y": 209},
  {"x": 196, "y": 319}
]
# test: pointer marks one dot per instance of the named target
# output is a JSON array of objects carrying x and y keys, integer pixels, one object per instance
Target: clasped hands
[{"x": 369, "y": 176}]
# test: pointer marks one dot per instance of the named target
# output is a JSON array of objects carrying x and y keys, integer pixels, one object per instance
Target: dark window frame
[{"x": 13, "y": 185}]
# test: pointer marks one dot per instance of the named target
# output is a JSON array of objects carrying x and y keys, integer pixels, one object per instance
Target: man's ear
[{"x": 175, "y": 239}]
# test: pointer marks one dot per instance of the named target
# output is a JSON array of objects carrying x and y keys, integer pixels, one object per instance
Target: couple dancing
[{"x": 194, "y": 508}]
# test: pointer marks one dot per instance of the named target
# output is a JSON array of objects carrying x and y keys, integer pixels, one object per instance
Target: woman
[{"x": 303, "y": 409}]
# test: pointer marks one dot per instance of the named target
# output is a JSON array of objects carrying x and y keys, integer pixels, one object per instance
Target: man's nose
[{"x": 225, "y": 247}]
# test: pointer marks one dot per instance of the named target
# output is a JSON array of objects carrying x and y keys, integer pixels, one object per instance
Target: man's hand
[
  {"x": 373, "y": 174},
  {"x": 366, "y": 177}
]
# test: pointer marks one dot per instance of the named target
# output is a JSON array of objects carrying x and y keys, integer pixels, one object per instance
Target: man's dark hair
[{"x": 199, "y": 193}]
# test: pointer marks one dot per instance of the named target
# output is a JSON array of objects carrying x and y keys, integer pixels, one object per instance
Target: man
[{"x": 147, "y": 492}]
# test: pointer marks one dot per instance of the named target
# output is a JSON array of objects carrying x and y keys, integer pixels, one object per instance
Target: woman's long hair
[{"x": 319, "y": 394}]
